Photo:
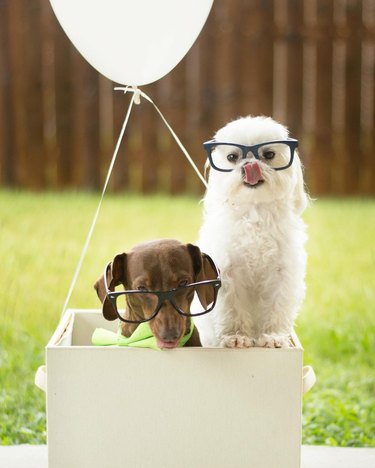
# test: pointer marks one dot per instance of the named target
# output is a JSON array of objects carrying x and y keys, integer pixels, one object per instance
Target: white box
[{"x": 112, "y": 407}]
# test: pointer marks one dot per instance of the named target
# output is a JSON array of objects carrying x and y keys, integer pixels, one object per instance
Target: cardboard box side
[
  {"x": 113, "y": 406},
  {"x": 206, "y": 407}
]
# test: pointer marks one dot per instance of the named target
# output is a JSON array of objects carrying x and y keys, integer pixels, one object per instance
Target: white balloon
[{"x": 132, "y": 42}]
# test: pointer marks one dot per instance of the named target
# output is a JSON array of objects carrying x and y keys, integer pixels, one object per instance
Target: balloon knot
[
  {"x": 137, "y": 95},
  {"x": 134, "y": 89}
]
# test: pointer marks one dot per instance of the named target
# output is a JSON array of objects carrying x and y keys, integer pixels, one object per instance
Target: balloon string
[
  {"x": 137, "y": 92},
  {"x": 87, "y": 242},
  {"x": 134, "y": 100}
]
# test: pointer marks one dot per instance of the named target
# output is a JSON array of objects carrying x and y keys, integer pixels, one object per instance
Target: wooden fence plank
[
  {"x": 121, "y": 177},
  {"x": 322, "y": 158},
  {"x": 164, "y": 140},
  {"x": 255, "y": 63},
  {"x": 338, "y": 95},
  {"x": 7, "y": 147},
  {"x": 147, "y": 153},
  {"x": 205, "y": 97},
  {"x": 47, "y": 78},
  {"x": 27, "y": 98},
  {"x": 22, "y": 167},
  {"x": 173, "y": 105},
  {"x": 367, "y": 169},
  {"x": 106, "y": 117},
  {"x": 225, "y": 62},
  {"x": 207, "y": 44},
  {"x": 179, "y": 164},
  {"x": 353, "y": 155},
  {"x": 65, "y": 163},
  {"x": 85, "y": 123},
  {"x": 294, "y": 56},
  {"x": 195, "y": 133},
  {"x": 33, "y": 103}
]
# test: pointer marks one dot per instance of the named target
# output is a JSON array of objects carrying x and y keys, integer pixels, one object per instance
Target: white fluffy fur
[{"x": 256, "y": 236}]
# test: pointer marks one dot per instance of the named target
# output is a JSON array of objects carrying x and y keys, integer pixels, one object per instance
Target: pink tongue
[{"x": 253, "y": 174}]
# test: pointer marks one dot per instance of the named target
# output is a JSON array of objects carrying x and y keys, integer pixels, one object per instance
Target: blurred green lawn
[{"x": 41, "y": 237}]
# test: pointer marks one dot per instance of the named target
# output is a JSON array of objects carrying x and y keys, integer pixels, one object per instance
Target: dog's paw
[
  {"x": 236, "y": 341},
  {"x": 273, "y": 341}
]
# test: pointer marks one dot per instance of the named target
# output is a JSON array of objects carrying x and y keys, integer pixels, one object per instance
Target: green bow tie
[{"x": 142, "y": 337}]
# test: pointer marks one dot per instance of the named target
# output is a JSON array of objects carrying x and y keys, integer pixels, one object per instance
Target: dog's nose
[{"x": 169, "y": 334}]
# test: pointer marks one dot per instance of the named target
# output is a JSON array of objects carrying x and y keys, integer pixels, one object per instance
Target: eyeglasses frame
[
  {"x": 164, "y": 295},
  {"x": 291, "y": 142}
]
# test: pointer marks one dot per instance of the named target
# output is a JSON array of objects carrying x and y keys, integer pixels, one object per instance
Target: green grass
[
  {"x": 41, "y": 236},
  {"x": 337, "y": 323}
]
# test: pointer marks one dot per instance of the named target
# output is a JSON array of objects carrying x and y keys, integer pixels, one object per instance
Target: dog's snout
[
  {"x": 250, "y": 162},
  {"x": 252, "y": 173},
  {"x": 169, "y": 334}
]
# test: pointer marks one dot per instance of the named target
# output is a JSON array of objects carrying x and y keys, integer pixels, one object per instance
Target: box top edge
[{"x": 68, "y": 321}]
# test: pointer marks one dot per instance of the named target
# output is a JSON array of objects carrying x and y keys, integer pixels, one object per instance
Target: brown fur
[{"x": 159, "y": 266}]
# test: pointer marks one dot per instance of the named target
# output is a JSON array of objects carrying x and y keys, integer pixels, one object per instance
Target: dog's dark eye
[
  {"x": 232, "y": 157},
  {"x": 142, "y": 288},
  {"x": 182, "y": 283},
  {"x": 269, "y": 154}
]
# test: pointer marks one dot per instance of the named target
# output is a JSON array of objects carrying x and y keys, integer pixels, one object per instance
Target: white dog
[{"x": 253, "y": 230}]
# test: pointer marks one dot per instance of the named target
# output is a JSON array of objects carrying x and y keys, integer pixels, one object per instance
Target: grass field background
[{"x": 41, "y": 237}]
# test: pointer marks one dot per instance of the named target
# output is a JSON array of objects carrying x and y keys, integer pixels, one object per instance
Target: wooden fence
[{"x": 308, "y": 63}]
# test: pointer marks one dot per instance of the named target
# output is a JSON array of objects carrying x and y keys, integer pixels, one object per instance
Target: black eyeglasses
[
  {"x": 225, "y": 157},
  {"x": 180, "y": 298}
]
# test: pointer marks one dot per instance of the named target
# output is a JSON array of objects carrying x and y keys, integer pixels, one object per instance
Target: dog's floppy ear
[
  {"x": 203, "y": 270},
  {"x": 300, "y": 197},
  {"x": 115, "y": 274}
]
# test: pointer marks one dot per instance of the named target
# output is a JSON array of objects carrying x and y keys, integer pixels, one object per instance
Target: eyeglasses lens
[{"x": 182, "y": 298}]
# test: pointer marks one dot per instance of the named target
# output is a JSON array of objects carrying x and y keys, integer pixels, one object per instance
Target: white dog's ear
[{"x": 300, "y": 197}]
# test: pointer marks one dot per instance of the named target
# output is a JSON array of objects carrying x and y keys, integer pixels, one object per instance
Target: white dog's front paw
[
  {"x": 273, "y": 341},
  {"x": 236, "y": 341}
]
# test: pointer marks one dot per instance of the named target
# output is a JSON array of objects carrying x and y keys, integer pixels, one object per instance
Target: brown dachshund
[{"x": 161, "y": 265}]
